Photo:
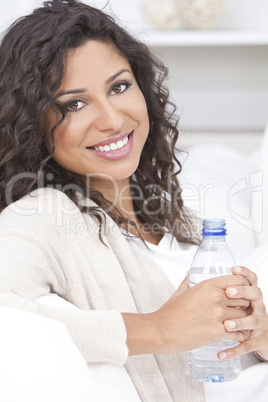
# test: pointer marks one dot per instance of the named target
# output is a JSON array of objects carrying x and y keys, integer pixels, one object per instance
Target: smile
[
  {"x": 114, "y": 150},
  {"x": 113, "y": 146}
]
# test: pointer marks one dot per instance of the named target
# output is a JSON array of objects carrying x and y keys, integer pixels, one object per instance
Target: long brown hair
[{"x": 33, "y": 57}]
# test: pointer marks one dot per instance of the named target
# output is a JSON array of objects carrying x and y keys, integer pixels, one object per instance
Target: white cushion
[{"x": 220, "y": 182}]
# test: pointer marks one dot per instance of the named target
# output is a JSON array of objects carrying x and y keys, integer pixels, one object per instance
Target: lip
[
  {"x": 111, "y": 140},
  {"x": 116, "y": 154}
]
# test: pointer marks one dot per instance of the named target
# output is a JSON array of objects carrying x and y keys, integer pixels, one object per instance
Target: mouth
[
  {"x": 115, "y": 149},
  {"x": 113, "y": 146}
]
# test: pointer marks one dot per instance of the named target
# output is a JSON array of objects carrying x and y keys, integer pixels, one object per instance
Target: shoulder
[
  {"x": 46, "y": 212},
  {"x": 44, "y": 202},
  {"x": 45, "y": 207}
]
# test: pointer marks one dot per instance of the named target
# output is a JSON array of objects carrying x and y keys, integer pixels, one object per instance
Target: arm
[
  {"x": 99, "y": 335},
  {"x": 191, "y": 318}
]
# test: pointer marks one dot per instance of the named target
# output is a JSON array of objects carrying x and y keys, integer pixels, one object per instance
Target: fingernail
[
  {"x": 222, "y": 355},
  {"x": 230, "y": 324},
  {"x": 237, "y": 269},
  {"x": 232, "y": 291}
]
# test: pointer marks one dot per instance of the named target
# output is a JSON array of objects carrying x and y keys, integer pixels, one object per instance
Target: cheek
[
  {"x": 64, "y": 135},
  {"x": 68, "y": 135},
  {"x": 140, "y": 113},
  {"x": 144, "y": 119}
]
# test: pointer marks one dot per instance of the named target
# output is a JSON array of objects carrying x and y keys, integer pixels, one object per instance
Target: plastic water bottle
[{"x": 213, "y": 258}]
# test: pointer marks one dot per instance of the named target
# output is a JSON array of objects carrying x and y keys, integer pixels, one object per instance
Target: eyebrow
[
  {"x": 81, "y": 90},
  {"x": 113, "y": 77},
  {"x": 70, "y": 91}
]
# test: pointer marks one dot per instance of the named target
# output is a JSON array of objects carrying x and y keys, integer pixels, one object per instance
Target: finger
[
  {"x": 244, "y": 292},
  {"x": 258, "y": 307},
  {"x": 232, "y": 313},
  {"x": 243, "y": 348},
  {"x": 226, "y": 281},
  {"x": 246, "y": 273},
  {"x": 251, "y": 322},
  {"x": 250, "y": 293},
  {"x": 238, "y": 336},
  {"x": 243, "y": 303}
]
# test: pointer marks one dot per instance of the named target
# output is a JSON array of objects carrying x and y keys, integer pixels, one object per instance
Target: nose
[{"x": 109, "y": 117}]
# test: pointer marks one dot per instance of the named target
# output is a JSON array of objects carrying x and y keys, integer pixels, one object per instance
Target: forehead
[{"x": 94, "y": 60}]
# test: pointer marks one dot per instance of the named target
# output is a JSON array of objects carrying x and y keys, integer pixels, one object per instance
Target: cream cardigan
[{"x": 48, "y": 246}]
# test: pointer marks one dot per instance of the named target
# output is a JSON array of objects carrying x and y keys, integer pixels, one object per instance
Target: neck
[{"x": 119, "y": 194}]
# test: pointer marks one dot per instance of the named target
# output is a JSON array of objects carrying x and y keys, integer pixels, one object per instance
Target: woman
[{"x": 89, "y": 189}]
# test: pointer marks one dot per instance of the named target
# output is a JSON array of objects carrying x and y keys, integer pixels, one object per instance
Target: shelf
[{"x": 205, "y": 38}]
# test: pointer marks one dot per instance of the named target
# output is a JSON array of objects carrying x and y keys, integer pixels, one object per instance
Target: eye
[
  {"x": 120, "y": 88},
  {"x": 74, "y": 105}
]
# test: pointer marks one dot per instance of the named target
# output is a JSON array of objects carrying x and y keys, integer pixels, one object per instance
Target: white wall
[
  {"x": 238, "y": 14},
  {"x": 222, "y": 88},
  {"x": 13, "y": 9}
]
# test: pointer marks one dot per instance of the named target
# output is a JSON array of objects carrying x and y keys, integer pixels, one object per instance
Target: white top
[{"x": 175, "y": 259}]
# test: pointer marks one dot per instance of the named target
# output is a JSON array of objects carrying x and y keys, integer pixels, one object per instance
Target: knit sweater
[{"x": 48, "y": 246}]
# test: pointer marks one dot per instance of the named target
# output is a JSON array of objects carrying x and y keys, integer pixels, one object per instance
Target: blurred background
[{"x": 217, "y": 54}]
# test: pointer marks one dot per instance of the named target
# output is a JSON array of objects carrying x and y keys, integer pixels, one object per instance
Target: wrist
[{"x": 143, "y": 334}]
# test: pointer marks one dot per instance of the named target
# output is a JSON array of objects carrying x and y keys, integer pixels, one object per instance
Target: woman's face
[{"x": 106, "y": 123}]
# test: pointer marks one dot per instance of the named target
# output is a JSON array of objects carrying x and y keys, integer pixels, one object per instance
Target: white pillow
[
  {"x": 39, "y": 361},
  {"x": 262, "y": 161},
  {"x": 218, "y": 182},
  {"x": 110, "y": 382},
  {"x": 257, "y": 261}
]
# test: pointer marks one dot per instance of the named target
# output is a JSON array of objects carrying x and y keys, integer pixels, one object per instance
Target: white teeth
[
  {"x": 113, "y": 146},
  {"x": 120, "y": 144}
]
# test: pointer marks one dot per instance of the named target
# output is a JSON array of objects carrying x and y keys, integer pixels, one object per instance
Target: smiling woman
[
  {"x": 91, "y": 203},
  {"x": 106, "y": 123},
  {"x": 98, "y": 87}
]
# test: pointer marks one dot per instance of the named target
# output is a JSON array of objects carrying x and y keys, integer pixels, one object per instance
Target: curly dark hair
[{"x": 33, "y": 56}]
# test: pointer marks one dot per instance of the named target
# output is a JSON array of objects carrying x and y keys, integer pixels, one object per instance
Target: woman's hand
[
  {"x": 191, "y": 318},
  {"x": 255, "y": 323}
]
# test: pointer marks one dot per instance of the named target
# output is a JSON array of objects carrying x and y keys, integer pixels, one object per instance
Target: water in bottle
[{"x": 213, "y": 258}]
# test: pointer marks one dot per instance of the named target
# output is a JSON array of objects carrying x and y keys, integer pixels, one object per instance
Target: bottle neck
[{"x": 214, "y": 238}]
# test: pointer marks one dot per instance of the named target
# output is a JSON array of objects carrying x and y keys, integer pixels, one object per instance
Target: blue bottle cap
[{"x": 214, "y": 227}]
